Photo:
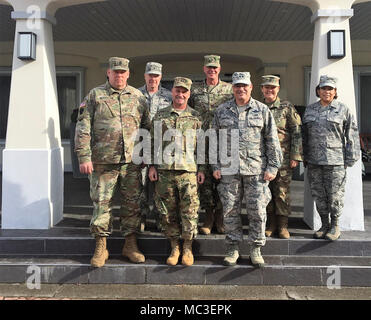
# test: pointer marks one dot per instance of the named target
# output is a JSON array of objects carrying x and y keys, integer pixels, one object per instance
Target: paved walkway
[{"x": 180, "y": 292}]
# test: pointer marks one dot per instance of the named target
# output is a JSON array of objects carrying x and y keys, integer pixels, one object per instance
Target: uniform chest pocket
[
  {"x": 334, "y": 143},
  {"x": 335, "y": 118},
  {"x": 167, "y": 124},
  {"x": 186, "y": 124},
  {"x": 227, "y": 123},
  {"x": 252, "y": 132},
  {"x": 130, "y": 122},
  {"x": 280, "y": 119},
  {"x": 201, "y": 100},
  {"x": 256, "y": 122},
  {"x": 163, "y": 103},
  {"x": 309, "y": 119},
  {"x": 105, "y": 109}
]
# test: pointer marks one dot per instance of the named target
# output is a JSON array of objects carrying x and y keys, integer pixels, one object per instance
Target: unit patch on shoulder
[{"x": 82, "y": 107}]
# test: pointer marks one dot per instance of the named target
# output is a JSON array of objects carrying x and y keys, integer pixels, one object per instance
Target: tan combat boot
[
  {"x": 231, "y": 255},
  {"x": 219, "y": 221},
  {"x": 334, "y": 232},
  {"x": 272, "y": 225},
  {"x": 131, "y": 251},
  {"x": 321, "y": 233},
  {"x": 173, "y": 259},
  {"x": 283, "y": 222},
  {"x": 187, "y": 258},
  {"x": 100, "y": 253},
  {"x": 256, "y": 257},
  {"x": 209, "y": 222}
]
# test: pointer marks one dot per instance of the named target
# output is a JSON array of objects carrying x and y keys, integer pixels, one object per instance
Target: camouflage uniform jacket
[
  {"x": 161, "y": 99},
  {"x": 107, "y": 122},
  {"x": 174, "y": 147},
  {"x": 288, "y": 124},
  {"x": 330, "y": 135},
  {"x": 205, "y": 99},
  {"x": 259, "y": 148}
]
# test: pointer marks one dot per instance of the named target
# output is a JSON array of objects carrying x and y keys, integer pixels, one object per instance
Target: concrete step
[
  {"x": 279, "y": 270},
  {"x": 154, "y": 244}
]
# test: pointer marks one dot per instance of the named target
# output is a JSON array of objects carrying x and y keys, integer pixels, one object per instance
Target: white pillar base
[
  {"x": 352, "y": 218},
  {"x": 32, "y": 188}
]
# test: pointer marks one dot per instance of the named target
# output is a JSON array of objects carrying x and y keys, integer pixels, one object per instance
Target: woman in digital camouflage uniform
[{"x": 330, "y": 145}]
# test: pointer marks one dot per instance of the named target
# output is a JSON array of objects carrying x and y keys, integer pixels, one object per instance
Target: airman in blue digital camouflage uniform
[
  {"x": 254, "y": 150},
  {"x": 330, "y": 145}
]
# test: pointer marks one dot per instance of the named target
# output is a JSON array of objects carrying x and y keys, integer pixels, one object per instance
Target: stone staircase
[{"x": 62, "y": 254}]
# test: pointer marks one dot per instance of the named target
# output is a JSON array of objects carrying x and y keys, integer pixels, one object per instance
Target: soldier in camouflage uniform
[
  {"x": 205, "y": 98},
  {"x": 104, "y": 141},
  {"x": 288, "y": 124},
  {"x": 330, "y": 145},
  {"x": 177, "y": 173},
  {"x": 157, "y": 98},
  {"x": 254, "y": 156}
]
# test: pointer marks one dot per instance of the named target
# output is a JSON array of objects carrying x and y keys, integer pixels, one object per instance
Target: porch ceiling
[{"x": 188, "y": 20}]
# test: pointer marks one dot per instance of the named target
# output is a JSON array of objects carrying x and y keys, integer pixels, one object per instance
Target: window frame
[
  {"x": 5, "y": 71},
  {"x": 79, "y": 72},
  {"x": 359, "y": 71}
]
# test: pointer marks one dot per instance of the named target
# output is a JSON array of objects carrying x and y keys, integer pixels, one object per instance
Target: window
[
  {"x": 69, "y": 86},
  {"x": 5, "y": 78},
  {"x": 365, "y": 123},
  {"x": 362, "y": 85}
]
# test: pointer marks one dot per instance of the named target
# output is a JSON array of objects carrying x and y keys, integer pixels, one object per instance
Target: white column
[
  {"x": 33, "y": 157},
  {"x": 336, "y": 19}
]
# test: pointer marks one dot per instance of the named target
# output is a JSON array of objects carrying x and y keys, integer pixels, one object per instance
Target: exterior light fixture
[
  {"x": 26, "y": 46},
  {"x": 336, "y": 44}
]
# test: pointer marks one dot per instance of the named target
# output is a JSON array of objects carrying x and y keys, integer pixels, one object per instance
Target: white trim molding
[
  {"x": 324, "y": 13},
  {"x": 16, "y": 15}
]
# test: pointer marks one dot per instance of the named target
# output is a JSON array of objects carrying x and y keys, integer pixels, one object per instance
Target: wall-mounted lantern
[
  {"x": 336, "y": 44},
  {"x": 26, "y": 46}
]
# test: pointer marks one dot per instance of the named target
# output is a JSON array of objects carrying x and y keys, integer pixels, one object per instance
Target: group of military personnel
[{"x": 258, "y": 145}]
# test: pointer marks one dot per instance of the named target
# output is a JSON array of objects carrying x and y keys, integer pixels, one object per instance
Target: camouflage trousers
[
  {"x": 208, "y": 193},
  {"x": 104, "y": 181},
  {"x": 177, "y": 202},
  {"x": 147, "y": 201},
  {"x": 257, "y": 195},
  {"x": 327, "y": 184},
  {"x": 280, "y": 204}
]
